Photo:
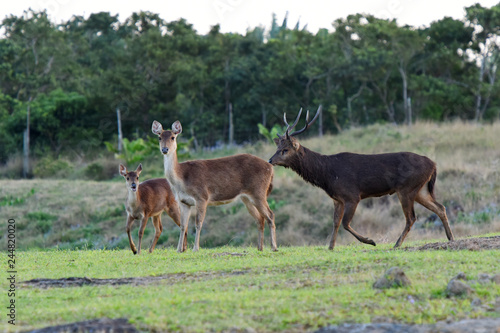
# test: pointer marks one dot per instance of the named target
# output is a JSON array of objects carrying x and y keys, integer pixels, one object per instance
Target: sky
[{"x": 239, "y": 15}]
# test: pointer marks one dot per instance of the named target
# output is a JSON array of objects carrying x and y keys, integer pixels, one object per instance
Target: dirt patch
[
  {"x": 103, "y": 325},
  {"x": 138, "y": 281},
  {"x": 463, "y": 326},
  {"x": 471, "y": 244}
]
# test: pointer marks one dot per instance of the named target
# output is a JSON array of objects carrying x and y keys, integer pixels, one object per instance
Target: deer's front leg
[
  {"x": 201, "y": 209},
  {"x": 185, "y": 212},
  {"x": 130, "y": 223},
  {"x": 144, "y": 221},
  {"x": 337, "y": 217}
]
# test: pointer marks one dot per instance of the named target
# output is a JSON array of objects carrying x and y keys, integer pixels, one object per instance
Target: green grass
[{"x": 295, "y": 289}]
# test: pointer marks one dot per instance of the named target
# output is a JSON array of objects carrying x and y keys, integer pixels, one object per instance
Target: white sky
[{"x": 238, "y": 15}]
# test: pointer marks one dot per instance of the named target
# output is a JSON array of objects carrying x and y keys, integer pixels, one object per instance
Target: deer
[
  {"x": 348, "y": 178},
  {"x": 219, "y": 181},
  {"x": 149, "y": 199}
]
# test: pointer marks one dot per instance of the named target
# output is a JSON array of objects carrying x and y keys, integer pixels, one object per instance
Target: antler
[
  {"x": 308, "y": 123},
  {"x": 288, "y": 127}
]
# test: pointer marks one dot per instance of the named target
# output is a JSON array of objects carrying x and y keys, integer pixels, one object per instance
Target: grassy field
[
  {"x": 294, "y": 289},
  {"x": 76, "y": 228}
]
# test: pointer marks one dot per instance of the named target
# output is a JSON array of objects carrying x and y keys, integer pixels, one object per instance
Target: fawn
[{"x": 149, "y": 199}]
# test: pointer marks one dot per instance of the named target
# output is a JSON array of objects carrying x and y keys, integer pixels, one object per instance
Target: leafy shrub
[
  {"x": 43, "y": 221},
  {"x": 270, "y": 135},
  {"x": 11, "y": 200},
  {"x": 52, "y": 168}
]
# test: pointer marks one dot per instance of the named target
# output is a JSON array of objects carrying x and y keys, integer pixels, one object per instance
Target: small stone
[
  {"x": 476, "y": 302},
  {"x": 457, "y": 288},
  {"x": 483, "y": 278},
  {"x": 394, "y": 277},
  {"x": 496, "y": 279},
  {"x": 460, "y": 276}
]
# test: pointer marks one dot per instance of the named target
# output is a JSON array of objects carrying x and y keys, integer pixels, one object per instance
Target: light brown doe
[{"x": 219, "y": 181}]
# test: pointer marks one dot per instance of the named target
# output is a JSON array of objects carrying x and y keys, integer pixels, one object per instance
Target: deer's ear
[
  {"x": 177, "y": 127},
  {"x": 295, "y": 144},
  {"x": 139, "y": 169},
  {"x": 276, "y": 141},
  {"x": 122, "y": 170},
  {"x": 156, "y": 128}
]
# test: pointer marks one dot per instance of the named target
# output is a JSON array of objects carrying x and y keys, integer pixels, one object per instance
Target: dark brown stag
[{"x": 348, "y": 178}]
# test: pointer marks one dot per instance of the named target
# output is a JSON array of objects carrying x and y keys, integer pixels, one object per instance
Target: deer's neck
[
  {"x": 133, "y": 198},
  {"x": 171, "y": 166},
  {"x": 311, "y": 167}
]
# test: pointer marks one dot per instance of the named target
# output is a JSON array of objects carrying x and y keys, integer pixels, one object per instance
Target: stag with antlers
[{"x": 348, "y": 178}]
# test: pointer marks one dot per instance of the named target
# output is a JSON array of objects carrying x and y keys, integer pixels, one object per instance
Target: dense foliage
[{"x": 73, "y": 76}]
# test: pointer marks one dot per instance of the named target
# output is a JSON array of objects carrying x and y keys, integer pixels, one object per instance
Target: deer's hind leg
[
  {"x": 158, "y": 229},
  {"x": 259, "y": 218},
  {"x": 426, "y": 199},
  {"x": 267, "y": 213}
]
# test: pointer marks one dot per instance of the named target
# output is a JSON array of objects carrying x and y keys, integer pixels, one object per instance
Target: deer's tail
[{"x": 430, "y": 184}]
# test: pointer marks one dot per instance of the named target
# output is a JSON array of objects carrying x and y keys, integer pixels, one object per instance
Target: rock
[
  {"x": 460, "y": 276},
  {"x": 394, "y": 277},
  {"x": 457, "y": 288},
  {"x": 496, "y": 279},
  {"x": 483, "y": 278},
  {"x": 476, "y": 302}
]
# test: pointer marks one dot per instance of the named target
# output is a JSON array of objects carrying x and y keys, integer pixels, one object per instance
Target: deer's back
[
  {"x": 223, "y": 179},
  {"x": 155, "y": 194},
  {"x": 380, "y": 174}
]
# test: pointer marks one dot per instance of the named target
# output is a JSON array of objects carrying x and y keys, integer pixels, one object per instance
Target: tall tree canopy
[{"x": 365, "y": 69}]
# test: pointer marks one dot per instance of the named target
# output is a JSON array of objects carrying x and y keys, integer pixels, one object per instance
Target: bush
[
  {"x": 43, "y": 221},
  {"x": 52, "y": 168},
  {"x": 101, "y": 170}
]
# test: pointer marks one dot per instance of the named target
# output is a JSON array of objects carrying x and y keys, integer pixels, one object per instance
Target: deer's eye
[
  {"x": 173, "y": 138},
  {"x": 284, "y": 151},
  {"x": 159, "y": 138},
  {"x": 128, "y": 178}
]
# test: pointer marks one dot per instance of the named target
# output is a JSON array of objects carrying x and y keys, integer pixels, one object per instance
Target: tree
[{"x": 486, "y": 49}]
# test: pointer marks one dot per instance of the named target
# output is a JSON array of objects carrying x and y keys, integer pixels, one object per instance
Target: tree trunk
[
  {"x": 492, "y": 73},
  {"x": 409, "y": 111},
  {"x": 405, "y": 94},
  {"x": 26, "y": 143},
  {"x": 478, "y": 114},
  {"x": 351, "y": 99},
  {"x": 120, "y": 135},
  {"x": 231, "y": 126},
  {"x": 320, "y": 127}
]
